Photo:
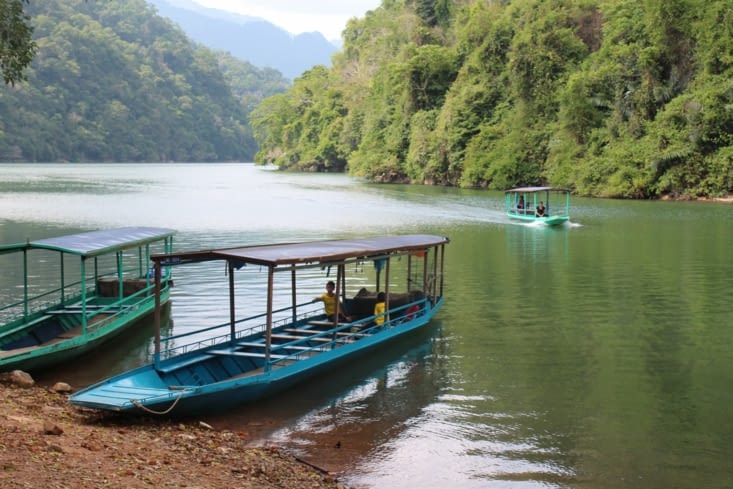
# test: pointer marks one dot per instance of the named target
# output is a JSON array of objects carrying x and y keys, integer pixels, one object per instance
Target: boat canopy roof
[
  {"x": 96, "y": 243},
  {"x": 535, "y": 189},
  {"x": 328, "y": 251}
]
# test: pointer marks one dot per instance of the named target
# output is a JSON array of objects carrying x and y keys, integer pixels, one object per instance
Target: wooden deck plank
[
  {"x": 250, "y": 354},
  {"x": 294, "y": 337},
  {"x": 321, "y": 324}
]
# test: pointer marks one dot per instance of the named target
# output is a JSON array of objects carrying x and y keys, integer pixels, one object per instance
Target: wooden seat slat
[
  {"x": 294, "y": 337},
  {"x": 244, "y": 354}
]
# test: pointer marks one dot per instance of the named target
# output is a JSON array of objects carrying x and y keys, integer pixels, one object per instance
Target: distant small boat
[
  {"x": 112, "y": 288},
  {"x": 247, "y": 358},
  {"x": 548, "y": 205}
]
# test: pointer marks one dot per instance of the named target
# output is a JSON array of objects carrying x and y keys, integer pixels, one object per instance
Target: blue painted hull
[
  {"x": 206, "y": 381},
  {"x": 547, "y": 221}
]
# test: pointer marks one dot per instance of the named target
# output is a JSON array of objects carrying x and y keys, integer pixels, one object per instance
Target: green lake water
[{"x": 596, "y": 355}]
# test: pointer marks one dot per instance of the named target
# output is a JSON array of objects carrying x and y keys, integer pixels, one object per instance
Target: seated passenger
[
  {"x": 379, "y": 307},
  {"x": 412, "y": 312},
  {"x": 330, "y": 300},
  {"x": 540, "y": 211}
]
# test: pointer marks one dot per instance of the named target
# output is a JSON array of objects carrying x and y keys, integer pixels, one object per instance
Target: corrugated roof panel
[
  {"x": 317, "y": 251},
  {"x": 97, "y": 242},
  {"x": 535, "y": 189}
]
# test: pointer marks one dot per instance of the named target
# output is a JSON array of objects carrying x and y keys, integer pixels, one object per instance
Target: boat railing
[
  {"x": 18, "y": 310},
  {"x": 100, "y": 315},
  {"x": 243, "y": 328},
  {"x": 21, "y": 309},
  {"x": 346, "y": 333},
  {"x": 110, "y": 312},
  {"x": 342, "y": 334}
]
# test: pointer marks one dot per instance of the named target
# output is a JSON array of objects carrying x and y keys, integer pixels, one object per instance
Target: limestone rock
[
  {"x": 18, "y": 377},
  {"x": 61, "y": 388}
]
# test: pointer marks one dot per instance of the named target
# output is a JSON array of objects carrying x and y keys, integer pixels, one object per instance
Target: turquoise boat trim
[{"x": 37, "y": 331}]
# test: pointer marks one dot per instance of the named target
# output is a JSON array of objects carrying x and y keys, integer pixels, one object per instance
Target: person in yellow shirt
[
  {"x": 329, "y": 300},
  {"x": 379, "y": 308}
]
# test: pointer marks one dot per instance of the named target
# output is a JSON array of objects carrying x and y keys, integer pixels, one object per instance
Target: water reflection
[{"x": 352, "y": 412}]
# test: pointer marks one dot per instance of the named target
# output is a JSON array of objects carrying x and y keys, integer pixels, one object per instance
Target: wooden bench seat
[
  {"x": 339, "y": 333},
  {"x": 251, "y": 344},
  {"x": 298, "y": 348},
  {"x": 303, "y": 331},
  {"x": 273, "y": 346},
  {"x": 294, "y": 337},
  {"x": 250, "y": 354},
  {"x": 23, "y": 326},
  {"x": 180, "y": 364},
  {"x": 329, "y": 324}
]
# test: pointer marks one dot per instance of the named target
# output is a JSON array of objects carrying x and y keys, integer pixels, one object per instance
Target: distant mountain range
[{"x": 249, "y": 38}]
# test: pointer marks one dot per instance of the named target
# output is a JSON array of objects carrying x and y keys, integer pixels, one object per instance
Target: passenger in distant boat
[
  {"x": 520, "y": 204},
  {"x": 411, "y": 312},
  {"x": 329, "y": 300},
  {"x": 379, "y": 308},
  {"x": 540, "y": 211}
]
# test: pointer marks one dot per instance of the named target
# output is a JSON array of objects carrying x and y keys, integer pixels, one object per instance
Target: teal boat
[
  {"x": 56, "y": 311},
  {"x": 285, "y": 336},
  {"x": 547, "y": 205}
]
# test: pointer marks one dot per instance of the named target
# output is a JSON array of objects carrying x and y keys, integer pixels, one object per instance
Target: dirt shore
[{"x": 47, "y": 443}]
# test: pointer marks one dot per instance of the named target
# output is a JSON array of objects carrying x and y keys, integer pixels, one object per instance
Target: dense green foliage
[
  {"x": 16, "y": 43},
  {"x": 112, "y": 81},
  {"x": 622, "y": 98}
]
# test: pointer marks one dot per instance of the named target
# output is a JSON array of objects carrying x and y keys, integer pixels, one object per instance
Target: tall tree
[{"x": 16, "y": 44}]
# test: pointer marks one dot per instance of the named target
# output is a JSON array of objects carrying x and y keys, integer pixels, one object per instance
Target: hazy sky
[{"x": 295, "y": 16}]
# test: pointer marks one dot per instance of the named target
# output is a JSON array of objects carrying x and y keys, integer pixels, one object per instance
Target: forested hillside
[
  {"x": 112, "y": 81},
  {"x": 620, "y": 98}
]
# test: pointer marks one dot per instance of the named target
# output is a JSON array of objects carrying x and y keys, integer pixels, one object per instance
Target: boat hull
[
  {"x": 548, "y": 221},
  {"x": 149, "y": 389},
  {"x": 64, "y": 349}
]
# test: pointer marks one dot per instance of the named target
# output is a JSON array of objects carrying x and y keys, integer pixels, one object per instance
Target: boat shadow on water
[{"x": 341, "y": 416}]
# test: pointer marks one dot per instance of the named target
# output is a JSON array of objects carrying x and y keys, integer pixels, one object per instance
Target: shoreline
[{"x": 46, "y": 442}]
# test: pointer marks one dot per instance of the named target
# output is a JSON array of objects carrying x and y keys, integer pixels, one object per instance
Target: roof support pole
[
  {"x": 294, "y": 299},
  {"x": 83, "y": 294},
  {"x": 63, "y": 279},
  {"x": 268, "y": 334},
  {"x": 425, "y": 288},
  {"x": 442, "y": 267},
  {"x": 156, "y": 356},
  {"x": 120, "y": 278},
  {"x": 232, "y": 319},
  {"x": 386, "y": 293},
  {"x": 409, "y": 272},
  {"x": 435, "y": 273},
  {"x": 25, "y": 284},
  {"x": 339, "y": 283}
]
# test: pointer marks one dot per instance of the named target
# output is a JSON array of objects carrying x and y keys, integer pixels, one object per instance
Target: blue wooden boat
[
  {"x": 288, "y": 338},
  {"x": 112, "y": 288},
  {"x": 523, "y": 204}
]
